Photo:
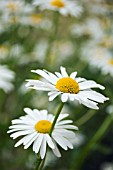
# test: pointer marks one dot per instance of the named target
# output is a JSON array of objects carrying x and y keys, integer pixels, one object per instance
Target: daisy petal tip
[
  {"x": 59, "y": 156},
  {"x": 50, "y": 99},
  {"x": 107, "y": 98},
  {"x": 33, "y": 71}
]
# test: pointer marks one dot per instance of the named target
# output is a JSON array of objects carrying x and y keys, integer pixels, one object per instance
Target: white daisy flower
[
  {"x": 15, "y": 6},
  {"x": 107, "y": 65},
  {"x": 3, "y": 51},
  {"x": 69, "y": 87},
  {"x": 65, "y": 7},
  {"x": 35, "y": 127},
  {"x": 6, "y": 76},
  {"x": 101, "y": 58}
]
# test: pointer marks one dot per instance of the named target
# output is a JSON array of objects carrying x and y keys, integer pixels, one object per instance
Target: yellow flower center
[
  {"x": 12, "y": 6},
  {"x": 110, "y": 61},
  {"x": 3, "y": 49},
  {"x": 57, "y": 3},
  {"x": 35, "y": 18},
  {"x": 43, "y": 126},
  {"x": 67, "y": 85}
]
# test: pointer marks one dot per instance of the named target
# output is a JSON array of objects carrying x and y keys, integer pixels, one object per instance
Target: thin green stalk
[
  {"x": 78, "y": 161},
  {"x": 85, "y": 117},
  {"x": 52, "y": 37},
  {"x": 42, "y": 164},
  {"x": 38, "y": 162},
  {"x": 56, "y": 117}
]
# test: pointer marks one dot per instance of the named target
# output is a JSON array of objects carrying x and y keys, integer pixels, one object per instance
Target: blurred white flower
[
  {"x": 109, "y": 109},
  {"x": 69, "y": 87},
  {"x": 99, "y": 57},
  {"x": 36, "y": 125},
  {"x": 4, "y": 49},
  {"x": 107, "y": 166},
  {"x": 6, "y": 77},
  {"x": 13, "y": 10},
  {"x": 91, "y": 26},
  {"x": 65, "y": 7},
  {"x": 15, "y": 7}
]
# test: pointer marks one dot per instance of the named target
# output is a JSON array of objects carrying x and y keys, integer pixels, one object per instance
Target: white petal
[
  {"x": 53, "y": 96},
  {"x": 53, "y": 77},
  {"x": 67, "y": 142},
  {"x": 27, "y": 122},
  {"x": 21, "y": 133},
  {"x": 50, "y": 117},
  {"x": 43, "y": 114},
  {"x": 90, "y": 84},
  {"x": 30, "y": 113},
  {"x": 38, "y": 85},
  {"x": 64, "y": 122},
  {"x": 64, "y": 97},
  {"x": 30, "y": 141},
  {"x": 93, "y": 96},
  {"x": 59, "y": 141},
  {"x": 63, "y": 72},
  {"x": 29, "y": 137},
  {"x": 37, "y": 143},
  {"x": 73, "y": 75},
  {"x": 49, "y": 141},
  {"x": 37, "y": 114},
  {"x": 79, "y": 79},
  {"x": 19, "y": 142},
  {"x": 67, "y": 127},
  {"x": 43, "y": 147},
  {"x": 88, "y": 103},
  {"x": 44, "y": 74},
  {"x": 21, "y": 127},
  {"x": 56, "y": 151},
  {"x": 62, "y": 116},
  {"x": 58, "y": 74},
  {"x": 72, "y": 97},
  {"x": 64, "y": 132}
]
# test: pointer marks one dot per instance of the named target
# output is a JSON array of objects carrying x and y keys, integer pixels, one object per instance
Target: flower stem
[
  {"x": 42, "y": 163},
  {"x": 38, "y": 162},
  {"x": 96, "y": 138},
  {"x": 85, "y": 117},
  {"x": 56, "y": 117},
  {"x": 52, "y": 38}
]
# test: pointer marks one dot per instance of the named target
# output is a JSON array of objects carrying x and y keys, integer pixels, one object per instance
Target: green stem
[
  {"x": 38, "y": 162},
  {"x": 52, "y": 37},
  {"x": 96, "y": 138},
  {"x": 56, "y": 117},
  {"x": 85, "y": 118},
  {"x": 42, "y": 164}
]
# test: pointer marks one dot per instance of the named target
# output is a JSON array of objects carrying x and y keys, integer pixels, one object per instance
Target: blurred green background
[{"x": 46, "y": 39}]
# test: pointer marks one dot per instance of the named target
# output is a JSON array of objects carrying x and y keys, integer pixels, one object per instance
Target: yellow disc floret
[
  {"x": 12, "y": 6},
  {"x": 67, "y": 85},
  {"x": 43, "y": 126},
  {"x": 110, "y": 61},
  {"x": 35, "y": 18},
  {"x": 57, "y": 3}
]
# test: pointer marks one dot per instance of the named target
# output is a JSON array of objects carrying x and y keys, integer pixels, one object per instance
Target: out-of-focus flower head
[
  {"x": 65, "y": 7},
  {"x": 6, "y": 78}
]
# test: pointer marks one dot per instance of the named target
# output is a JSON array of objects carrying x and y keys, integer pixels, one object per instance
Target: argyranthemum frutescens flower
[
  {"x": 65, "y": 7},
  {"x": 36, "y": 125},
  {"x": 69, "y": 87},
  {"x": 6, "y": 78}
]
